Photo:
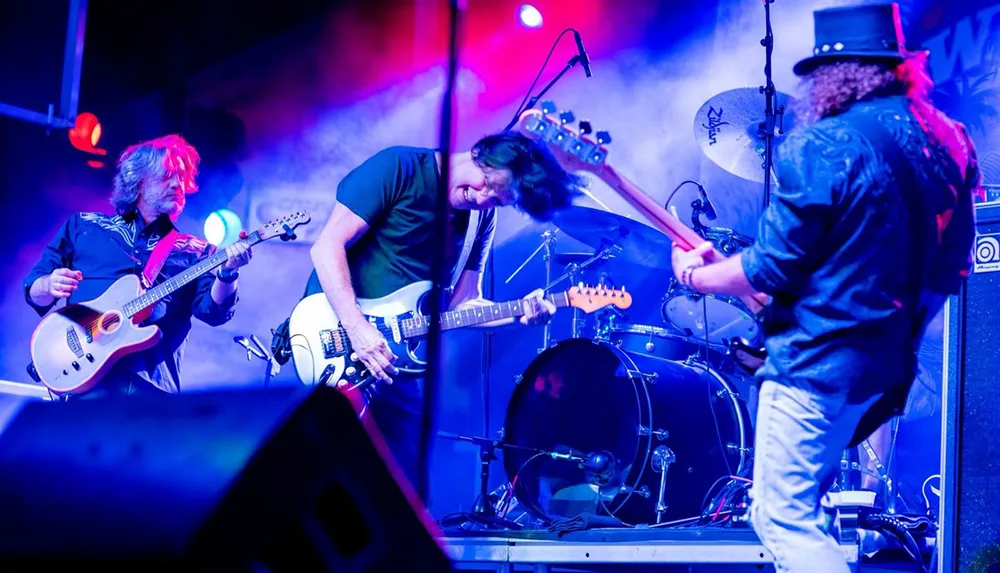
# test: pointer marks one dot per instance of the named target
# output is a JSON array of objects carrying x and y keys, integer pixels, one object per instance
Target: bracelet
[
  {"x": 687, "y": 277},
  {"x": 227, "y": 278}
]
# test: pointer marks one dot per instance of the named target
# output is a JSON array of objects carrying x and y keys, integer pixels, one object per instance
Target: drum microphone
[
  {"x": 602, "y": 465},
  {"x": 710, "y": 212}
]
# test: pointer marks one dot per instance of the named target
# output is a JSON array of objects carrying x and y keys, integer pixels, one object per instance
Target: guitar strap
[
  {"x": 158, "y": 258},
  {"x": 470, "y": 240}
]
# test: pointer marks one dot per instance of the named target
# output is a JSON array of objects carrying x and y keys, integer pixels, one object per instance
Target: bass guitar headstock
[{"x": 577, "y": 149}]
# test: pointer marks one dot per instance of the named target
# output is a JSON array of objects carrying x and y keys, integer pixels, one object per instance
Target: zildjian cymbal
[{"x": 730, "y": 127}]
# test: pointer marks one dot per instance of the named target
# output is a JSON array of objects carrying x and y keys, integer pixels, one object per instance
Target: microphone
[
  {"x": 710, "y": 212},
  {"x": 601, "y": 465},
  {"x": 584, "y": 58}
]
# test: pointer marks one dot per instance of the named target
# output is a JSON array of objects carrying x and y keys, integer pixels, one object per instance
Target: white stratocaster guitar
[
  {"x": 75, "y": 346},
  {"x": 323, "y": 354}
]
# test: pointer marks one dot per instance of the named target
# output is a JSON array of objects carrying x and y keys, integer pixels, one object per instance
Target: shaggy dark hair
[
  {"x": 541, "y": 186},
  {"x": 144, "y": 161},
  {"x": 833, "y": 88}
]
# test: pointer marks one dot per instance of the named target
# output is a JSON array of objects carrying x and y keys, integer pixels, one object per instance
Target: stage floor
[{"x": 612, "y": 550}]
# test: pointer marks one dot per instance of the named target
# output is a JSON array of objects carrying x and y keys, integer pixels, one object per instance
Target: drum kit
[{"x": 641, "y": 423}]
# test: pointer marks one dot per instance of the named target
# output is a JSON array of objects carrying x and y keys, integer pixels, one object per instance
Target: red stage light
[{"x": 86, "y": 133}]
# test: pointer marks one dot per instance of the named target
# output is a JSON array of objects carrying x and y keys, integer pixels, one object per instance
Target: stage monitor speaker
[
  {"x": 285, "y": 479},
  {"x": 969, "y": 532}
]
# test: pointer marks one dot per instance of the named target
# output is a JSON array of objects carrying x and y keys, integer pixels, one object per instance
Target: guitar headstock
[
  {"x": 575, "y": 149},
  {"x": 593, "y": 298},
  {"x": 284, "y": 227}
]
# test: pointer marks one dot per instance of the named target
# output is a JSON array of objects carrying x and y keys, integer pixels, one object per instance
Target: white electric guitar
[
  {"x": 74, "y": 347},
  {"x": 322, "y": 351}
]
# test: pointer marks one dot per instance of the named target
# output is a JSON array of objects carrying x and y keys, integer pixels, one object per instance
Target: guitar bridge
[
  {"x": 334, "y": 343},
  {"x": 73, "y": 340}
]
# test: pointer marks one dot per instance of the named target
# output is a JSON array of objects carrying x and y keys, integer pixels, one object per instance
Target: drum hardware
[
  {"x": 727, "y": 394},
  {"x": 662, "y": 458},
  {"x": 487, "y": 454},
  {"x": 659, "y": 434},
  {"x": 641, "y": 492},
  {"x": 716, "y": 319},
  {"x": 736, "y": 449},
  {"x": 548, "y": 241},
  {"x": 604, "y": 405}
]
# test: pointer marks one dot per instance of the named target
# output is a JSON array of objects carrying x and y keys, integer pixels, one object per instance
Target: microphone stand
[
  {"x": 534, "y": 99},
  {"x": 770, "y": 97},
  {"x": 487, "y": 454}
]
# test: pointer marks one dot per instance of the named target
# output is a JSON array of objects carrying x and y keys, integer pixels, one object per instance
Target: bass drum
[{"x": 589, "y": 397}]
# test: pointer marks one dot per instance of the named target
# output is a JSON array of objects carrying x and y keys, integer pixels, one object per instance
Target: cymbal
[
  {"x": 566, "y": 259},
  {"x": 641, "y": 244},
  {"x": 729, "y": 129}
]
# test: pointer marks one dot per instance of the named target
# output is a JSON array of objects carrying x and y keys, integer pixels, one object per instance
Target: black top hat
[{"x": 873, "y": 32}]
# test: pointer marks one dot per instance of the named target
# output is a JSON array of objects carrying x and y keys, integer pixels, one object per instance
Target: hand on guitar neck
[{"x": 576, "y": 151}]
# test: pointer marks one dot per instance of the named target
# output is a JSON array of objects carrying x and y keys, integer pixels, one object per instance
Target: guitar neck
[
  {"x": 664, "y": 221},
  {"x": 653, "y": 211},
  {"x": 473, "y": 316},
  {"x": 168, "y": 287}
]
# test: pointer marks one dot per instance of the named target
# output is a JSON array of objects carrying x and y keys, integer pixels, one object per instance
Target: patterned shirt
[
  {"x": 107, "y": 248},
  {"x": 834, "y": 247}
]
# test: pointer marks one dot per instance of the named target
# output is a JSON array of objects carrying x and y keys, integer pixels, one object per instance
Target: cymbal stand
[
  {"x": 608, "y": 251},
  {"x": 573, "y": 271},
  {"x": 772, "y": 114},
  {"x": 547, "y": 244}
]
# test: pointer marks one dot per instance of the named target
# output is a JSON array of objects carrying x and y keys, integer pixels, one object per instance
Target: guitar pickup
[{"x": 333, "y": 343}]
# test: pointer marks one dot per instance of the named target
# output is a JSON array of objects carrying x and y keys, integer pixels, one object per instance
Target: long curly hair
[
  {"x": 147, "y": 160},
  {"x": 834, "y": 87}
]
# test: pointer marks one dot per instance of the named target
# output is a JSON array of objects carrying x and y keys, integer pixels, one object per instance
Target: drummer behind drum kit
[{"x": 641, "y": 423}]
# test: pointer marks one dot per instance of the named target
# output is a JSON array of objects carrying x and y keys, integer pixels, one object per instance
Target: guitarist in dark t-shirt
[
  {"x": 380, "y": 238},
  {"x": 868, "y": 232}
]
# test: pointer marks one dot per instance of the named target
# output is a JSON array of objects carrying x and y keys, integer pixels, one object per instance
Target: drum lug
[
  {"x": 660, "y": 434},
  {"x": 517, "y": 379},
  {"x": 728, "y": 394},
  {"x": 642, "y": 491}
]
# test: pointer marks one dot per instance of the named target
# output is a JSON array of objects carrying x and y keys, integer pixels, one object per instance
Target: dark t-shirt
[{"x": 395, "y": 192}]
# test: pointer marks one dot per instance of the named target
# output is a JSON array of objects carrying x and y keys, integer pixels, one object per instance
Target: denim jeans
[
  {"x": 396, "y": 412},
  {"x": 801, "y": 435}
]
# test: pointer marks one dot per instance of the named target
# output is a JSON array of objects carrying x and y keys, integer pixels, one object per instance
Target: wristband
[{"x": 227, "y": 277}]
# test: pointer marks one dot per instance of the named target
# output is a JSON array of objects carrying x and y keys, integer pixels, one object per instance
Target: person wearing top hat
[{"x": 869, "y": 230}]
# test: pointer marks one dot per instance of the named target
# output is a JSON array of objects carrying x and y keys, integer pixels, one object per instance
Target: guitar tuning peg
[
  {"x": 567, "y": 117},
  {"x": 586, "y": 128},
  {"x": 603, "y": 137},
  {"x": 549, "y": 107}
]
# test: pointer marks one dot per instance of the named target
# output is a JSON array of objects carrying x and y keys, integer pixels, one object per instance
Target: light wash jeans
[{"x": 800, "y": 437}]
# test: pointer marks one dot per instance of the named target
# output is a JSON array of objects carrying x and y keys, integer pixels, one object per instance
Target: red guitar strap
[{"x": 157, "y": 258}]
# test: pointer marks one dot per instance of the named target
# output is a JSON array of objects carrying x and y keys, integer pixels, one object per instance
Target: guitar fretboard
[
  {"x": 420, "y": 325},
  {"x": 166, "y": 288}
]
